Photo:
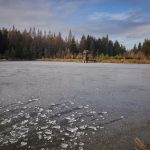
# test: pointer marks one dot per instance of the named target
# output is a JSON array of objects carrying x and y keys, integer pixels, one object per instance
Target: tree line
[
  {"x": 145, "y": 47},
  {"x": 35, "y": 44}
]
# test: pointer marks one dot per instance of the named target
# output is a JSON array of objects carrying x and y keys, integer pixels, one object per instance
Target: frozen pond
[{"x": 51, "y": 105}]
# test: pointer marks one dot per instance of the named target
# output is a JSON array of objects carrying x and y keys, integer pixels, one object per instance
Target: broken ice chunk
[
  {"x": 24, "y": 122},
  {"x": 43, "y": 116},
  {"x": 48, "y": 132},
  {"x": 81, "y": 144},
  {"x": 72, "y": 129},
  {"x": 122, "y": 117},
  {"x": 86, "y": 107},
  {"x": 12, "y": 141},
  {"x": 64, "y": 145},
  {"x": 104, "y": 112},
  {"x": 92, "y": 127},
  {"x": 5, "y": 121},
  {"x": 49, "y": 110},
  {"x": 66, "y": 134},
  {"x": 78, "y": 134},
  {"x": 72, "y": 103},
  {"x": 23, "y": 143},
  {"x": 35, "y": 99},
  {"x": 52, "y": 122},
  {"x": 56, "y": 127},
  {"x": 41, "y": 109},
  {"x": 83, "y": 127},
  {"x": 45, "y": 127},
  {"x": 49, "y": 137},
  {"x": 27, "y": 116},
  {"x": 80, "y": 107},
  {"x": 93, "y": 112},
  {"x": 80, "y": 148},
  {"x": 101, "y": 127}
]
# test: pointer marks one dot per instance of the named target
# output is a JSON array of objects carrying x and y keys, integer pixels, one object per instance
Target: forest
[{"x": 35, "y": 44}]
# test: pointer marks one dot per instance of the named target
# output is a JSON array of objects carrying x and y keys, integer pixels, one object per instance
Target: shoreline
[
  {"x": 119, "y": 61},
  {"x": 111, "y": 60}
]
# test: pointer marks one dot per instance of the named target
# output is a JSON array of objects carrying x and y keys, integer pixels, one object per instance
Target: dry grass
[
  {"x": 140, "y": 145},
  {"x": 125, "y": 61},
  {"x": 105, "y": 60},
  {"x": 61, "y": 59}
]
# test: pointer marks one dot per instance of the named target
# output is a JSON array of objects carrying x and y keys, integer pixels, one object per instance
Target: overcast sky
[{"x": 127, "y": 21}]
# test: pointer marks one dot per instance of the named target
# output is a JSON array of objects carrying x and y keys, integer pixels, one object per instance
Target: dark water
[{"x": 47, "y": 105}]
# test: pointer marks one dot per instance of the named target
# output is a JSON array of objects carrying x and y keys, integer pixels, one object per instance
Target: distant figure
[{"x": 85, "y": 56}]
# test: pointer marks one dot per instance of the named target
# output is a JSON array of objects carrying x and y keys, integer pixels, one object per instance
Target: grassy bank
[{"x": 101, "y": 60}]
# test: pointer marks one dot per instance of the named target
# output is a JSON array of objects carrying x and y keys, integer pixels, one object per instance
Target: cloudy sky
[{"x": 127, "y": 21}]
